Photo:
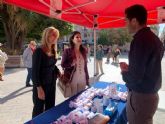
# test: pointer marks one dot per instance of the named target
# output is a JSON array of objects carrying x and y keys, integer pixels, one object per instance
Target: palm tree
[
  {"x": 16, "y": 23},
  {"x": 19, "y": 24}
]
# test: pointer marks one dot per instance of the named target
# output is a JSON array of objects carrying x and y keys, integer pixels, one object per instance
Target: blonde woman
[{"x": 45, "y": 72}]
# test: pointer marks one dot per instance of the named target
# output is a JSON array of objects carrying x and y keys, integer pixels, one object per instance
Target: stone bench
[{"x": 14, "y": 61}]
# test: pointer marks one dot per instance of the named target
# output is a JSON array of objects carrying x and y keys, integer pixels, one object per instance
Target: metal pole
[
  {"x": 95, "y": 42},
  {"x": 78, "y": 6},
  {"x": 94, "y": 32}
]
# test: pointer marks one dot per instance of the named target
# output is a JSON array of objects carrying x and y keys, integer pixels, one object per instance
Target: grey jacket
[{"x": 27, "y": 57}]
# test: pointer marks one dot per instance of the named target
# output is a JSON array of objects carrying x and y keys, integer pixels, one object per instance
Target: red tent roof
[{"x": 89, "y": 13}]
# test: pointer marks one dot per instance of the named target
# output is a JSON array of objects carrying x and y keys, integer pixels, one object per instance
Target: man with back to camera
[{"x": 143, "y": 74}]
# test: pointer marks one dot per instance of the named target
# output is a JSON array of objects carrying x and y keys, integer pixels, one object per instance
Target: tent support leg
[{"x": 94, "y": 51}]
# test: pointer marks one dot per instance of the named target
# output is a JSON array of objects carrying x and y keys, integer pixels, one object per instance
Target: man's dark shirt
[{"x": 144, "y": 70}]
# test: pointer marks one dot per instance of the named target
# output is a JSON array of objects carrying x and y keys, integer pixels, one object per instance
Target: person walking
[
  {"x": 3, "y": 58},
  {"x": 109, "y": 53},
  {"x": 27, "y": 59},
  {"x": 88, "y": 53},
  {"x": 99, "y": 59},
  {"x": 45, "y": 72},
  {"x": 116, "y": 55},
  {"x": 143, "y": 74}
]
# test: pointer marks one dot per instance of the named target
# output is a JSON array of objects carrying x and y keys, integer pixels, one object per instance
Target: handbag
[
  {"x": 64, "y": 82},
  {"x": 65, "y": 89}
]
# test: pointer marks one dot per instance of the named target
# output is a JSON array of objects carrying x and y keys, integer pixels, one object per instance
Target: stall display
[
  {"x": 96, "y": 103},
  {"x": 86, "y": 99},
  {"x": 79, "y": 116},
  {"x": 94, "y": 106}
]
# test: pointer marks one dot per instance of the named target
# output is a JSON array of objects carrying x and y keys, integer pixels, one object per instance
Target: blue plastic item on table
[{"x": 111, "y": 109}]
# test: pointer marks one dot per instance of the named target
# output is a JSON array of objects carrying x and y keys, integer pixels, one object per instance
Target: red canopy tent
[
  {"x": 89, "y": 13},
  {"x": 97, "y": 14}
]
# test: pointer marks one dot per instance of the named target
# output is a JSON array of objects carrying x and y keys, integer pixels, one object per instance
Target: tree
[
  {"x": 16, "y": 23},
  {"x": 114, "y": 36},
  {"x": 41, "y": 22},
  {"x": 123, "y": 36},
  {"x": 162, "y": 36},
  {"x": 155, "y": 29},
  {"x": 103, "y": 38},
  {"x": 19, "y": 24}
]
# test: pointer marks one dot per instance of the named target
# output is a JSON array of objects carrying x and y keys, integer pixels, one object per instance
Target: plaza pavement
[{"x": 16, "y": 100}]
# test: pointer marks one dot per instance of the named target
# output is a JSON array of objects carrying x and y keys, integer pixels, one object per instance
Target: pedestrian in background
[
  {"x": 117, "y": 55},
  {"x": 27, "y": 59},
  {"x": 3, "y": 58},
  {"x": 109, "y": 53},
  {"x": 88, "y": 53},
  {"x": 99, "y": 59}
]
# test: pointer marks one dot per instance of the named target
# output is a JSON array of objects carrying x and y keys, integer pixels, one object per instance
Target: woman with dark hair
[{"x": 75, "y": 56}]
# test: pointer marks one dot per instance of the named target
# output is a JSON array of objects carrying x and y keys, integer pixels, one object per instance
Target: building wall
[{"x": 87, "y": 34}]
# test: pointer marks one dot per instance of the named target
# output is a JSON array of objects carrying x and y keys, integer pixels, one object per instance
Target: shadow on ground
[
  {"x": 12, "y": 70},
  {"x": 14, "y": 95}
]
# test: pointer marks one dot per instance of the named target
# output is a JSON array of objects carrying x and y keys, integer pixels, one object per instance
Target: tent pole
[
  {"x": 95, "y": 25},
  {"x": 94, "y": 31}
]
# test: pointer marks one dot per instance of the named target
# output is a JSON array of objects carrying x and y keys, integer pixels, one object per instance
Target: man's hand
[
  {"x": 123, "y": 66},
  {"x": 41, "y": 93}
]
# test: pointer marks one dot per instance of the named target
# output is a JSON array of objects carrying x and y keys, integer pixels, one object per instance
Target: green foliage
[
  {"x": 103, "y": 38},
  {"x": 155, "y": 29},
  {"x": 114, "y": 36},
  {"x": 41, "y": 22},
  {"x": 18, "y": 26},
  {"x": 16, "y": 23}
]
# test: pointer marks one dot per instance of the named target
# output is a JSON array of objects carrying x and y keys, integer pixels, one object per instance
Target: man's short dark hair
[{"x": 137, "y": 11}]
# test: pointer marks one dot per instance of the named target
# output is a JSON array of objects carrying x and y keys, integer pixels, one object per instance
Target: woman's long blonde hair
[{"x": 45, "y": 38}]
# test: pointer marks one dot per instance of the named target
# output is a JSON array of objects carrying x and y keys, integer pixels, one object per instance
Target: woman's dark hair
[
  {"x": 82, "y": 49},
  {"x": 137, "y": 11}
]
